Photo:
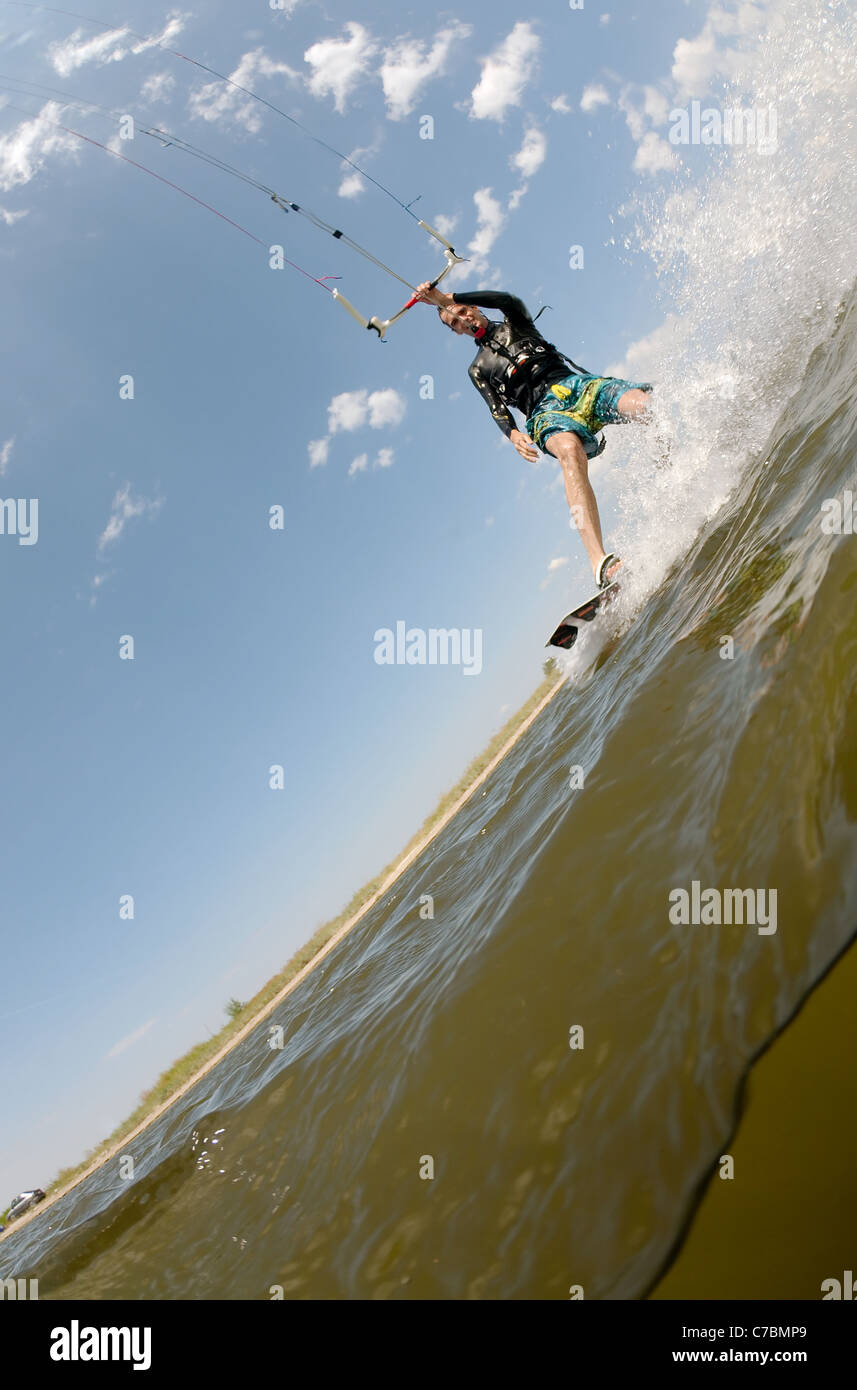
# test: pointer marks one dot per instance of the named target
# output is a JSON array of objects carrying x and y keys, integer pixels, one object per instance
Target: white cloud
[
  {"x": 159, "y": 87},
  {"x": 352, "y": 185},
  {"x": 124, "y": 508},
  {"x": 383, "y": 459},
  {"x": 642, "y": 107},
  {"x": 527, "y": 161},
  {"x": 386, "y": 408},
  {"x": 347, "y": 411},
  {"x": 445, "y": 225},
  {"x": 67, "y": 55},
  {"x": 354, "y": 410},
  {"x": 171, "y": 30},
  {"x": 97, "y": 581},
  {"x": 24, "y": 150},
  {"x": 653, "y": 155},
  {"x": 318, "y": 450},
  {"x": 5, "y": 455},
  {"x": 656, "y": 106},
  {"x": 353, "y": 182},
  {"x": 557, "y": 564},
  {"x": 594, "y": 95},
  {"x": 696, "y": 62},
  {"x": 338, "y": 65},
  {"x": 217, "y": 100},
  {"x": 490, "y": 221},
  {"x": 531, "y": 155},
  {"x": 351, "y": 410},
  {"x": 604, "y": 19},
  {"x": 561, "y": 104},
  {"x": 407, "y": 67},
  {"x": 131, "y": 1038},
  {"x": 505, "y": 74},
  {"x": 646, "y": 358}
]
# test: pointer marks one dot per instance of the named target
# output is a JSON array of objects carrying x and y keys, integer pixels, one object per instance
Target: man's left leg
[{"x": 567, "y": 448}]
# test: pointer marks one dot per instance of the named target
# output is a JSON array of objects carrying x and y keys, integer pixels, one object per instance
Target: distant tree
[
  {"x": 550, "y": 667},
  {"x": 234, "y": 1007}
]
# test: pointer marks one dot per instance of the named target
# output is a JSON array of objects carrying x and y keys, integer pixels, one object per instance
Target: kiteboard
[{"x": 565, "y": 635}]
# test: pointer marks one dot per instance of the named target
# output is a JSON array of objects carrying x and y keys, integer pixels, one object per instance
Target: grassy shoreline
[{"x": 188, "y": 1069}]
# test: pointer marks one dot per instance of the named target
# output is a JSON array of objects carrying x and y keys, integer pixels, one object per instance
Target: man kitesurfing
[
  {"x": 515, "y": 368},
  {"x": 565, "y": 406}
]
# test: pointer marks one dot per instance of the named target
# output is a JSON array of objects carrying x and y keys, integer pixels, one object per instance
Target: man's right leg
[{"x": 567, "y": 447}]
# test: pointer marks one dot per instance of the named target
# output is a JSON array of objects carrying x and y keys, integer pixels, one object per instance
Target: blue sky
[{"x": 254, "y": 647}]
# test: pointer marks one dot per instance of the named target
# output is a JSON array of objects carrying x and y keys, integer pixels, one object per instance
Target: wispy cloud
[
  {"x": 490, "y": 221},
  {"x": 80, "y": 48},
  {"x": 159, "y": 87},
  {"x": 124, "y": 1043},
  {"x": 353, "y": 183},
  {"x": 318, "y": 450},
  {"x": 654, "y": 155},
  {"x": 17, "y": 40},
  {"x": 528, "y": 160},
  {"x": 643, "y": 108},
  {"x": 124, "y": 508},
  {"x": 558, "y": 563},
  {"x": 383, "y": 459},
  {"x": 531, "y": 155},
  {"x": 217, "y": 101},
  {"x": 491, "y": 218},
  {"x": 5, "y": 455},
  {"x": 24, "y": 150}
]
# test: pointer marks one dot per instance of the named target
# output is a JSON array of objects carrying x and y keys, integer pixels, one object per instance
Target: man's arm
[
  {"x": 509, "y": 305},
  {"x": 503, "y": 416}
]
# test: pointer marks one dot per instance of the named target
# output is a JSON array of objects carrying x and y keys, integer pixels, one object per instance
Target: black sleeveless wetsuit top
[{"x": 514, "y": 365}]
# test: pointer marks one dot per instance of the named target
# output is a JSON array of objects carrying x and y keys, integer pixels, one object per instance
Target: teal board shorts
[{"x": 582, "y": 404}]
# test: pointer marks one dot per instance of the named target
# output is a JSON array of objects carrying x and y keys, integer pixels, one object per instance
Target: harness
[{"x": 536, "y": 347}]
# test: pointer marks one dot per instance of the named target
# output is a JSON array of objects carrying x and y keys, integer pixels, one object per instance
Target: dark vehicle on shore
[{"x": 23, "y": 1202}]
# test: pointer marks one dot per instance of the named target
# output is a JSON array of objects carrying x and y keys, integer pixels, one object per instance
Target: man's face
[{"x": 464, "y": 318}]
